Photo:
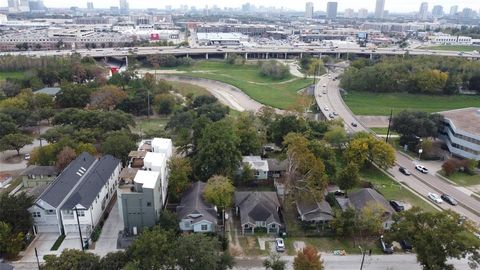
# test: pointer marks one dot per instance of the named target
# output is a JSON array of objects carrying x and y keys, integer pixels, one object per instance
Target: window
[
  {"x": 204, "y": 227},
  {"x": 272, "y": 226},
  {"x": 50, "y": 212},
  {"x": 81, "y": 213},
  {"x": 36, "y": 214},
  {"x": 149, "y": 204}
]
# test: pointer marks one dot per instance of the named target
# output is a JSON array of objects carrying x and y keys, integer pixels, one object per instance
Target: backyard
[
  {"x": 367, "y": 103},
  {"x": 148, "y": 125},
  {"x": 282, "y": 93}
]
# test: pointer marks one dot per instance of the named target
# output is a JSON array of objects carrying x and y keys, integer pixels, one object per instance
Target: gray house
[
  {"x": 258, "y": 210},
  {"x": 84, "y": 188},
  {"x": 311, "y": 210},
  {"x": 35, "y": 175},
  {"x": 194, "y": 213},
  {"x": 367, "y": 197}
]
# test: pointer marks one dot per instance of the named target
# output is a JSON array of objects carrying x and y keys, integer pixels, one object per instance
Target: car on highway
[
  {"x": 405, "y": 171},
  {"x": 324, "y": 92},
  {"x": 331, "y": 116},
  {"x": 397, "y": 206},
  {"x": 326, "y": 108},
  {"x": 434, "y": 197},
  {"x": 421, "y": 168},
  {"x": 354, "y": 124},
  {"x": 279, "y": 245},
  {"x": 335, "y": 113},
  {"x": 449, "y": 199},
  {"x": 386, "y": 248}
]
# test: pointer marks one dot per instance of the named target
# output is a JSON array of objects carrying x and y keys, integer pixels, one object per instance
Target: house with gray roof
[
  {"x": 35, "y": 175},
  {"x": 194, "y": 213},
  {"x": 84, "y": 188},
  {"x": 258, "y": 165},
  {"x": 258, "y": 210},
  {"x": 311, "y": 210},
  {"x": 368, "y": 197}
]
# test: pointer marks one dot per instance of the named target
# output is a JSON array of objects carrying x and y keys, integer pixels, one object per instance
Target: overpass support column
[
  {"x": 226, "y": 55},
  {"x": 188, "y": 55},
  {"x": 266, "y": 55},
  {"x": 246, "y": 56},
  {"x": 285, "y": 55},
  {"x": 126, "y": 61},
  {"x": 206, "y": 56},
  {"x": 301, "y": 55},
  {"x": 338, "y": 55},
  {"x": 371, "y": 56}
]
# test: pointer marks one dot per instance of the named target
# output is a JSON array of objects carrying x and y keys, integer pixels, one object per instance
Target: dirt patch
[{"x": 14, "y": 159}]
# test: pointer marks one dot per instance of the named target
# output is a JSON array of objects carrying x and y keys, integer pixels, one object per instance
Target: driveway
[{"x": 108, "y": 239}]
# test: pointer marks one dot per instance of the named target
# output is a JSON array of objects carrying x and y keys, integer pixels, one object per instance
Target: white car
[
  {"x": 421, "y": 168},
  {"x": 326, "y": 108},
  {"x": 279, "y": 245},
  {"x": 435, "y": 197}
]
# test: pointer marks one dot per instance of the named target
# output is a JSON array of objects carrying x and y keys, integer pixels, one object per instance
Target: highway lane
[{"x": 419, "y": 182}]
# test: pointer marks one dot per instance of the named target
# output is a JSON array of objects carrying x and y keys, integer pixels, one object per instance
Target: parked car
[
  {"x": 434, "y": 197},
  {"x": 404, "y": 171},
  {"x": 335, "y": 113},
  {"x": 397, "y": 206},
  {"x": 421, "y": 168},
  {"x": 279, "y": 245},
  {"x": 406, "y": 246},
  {"x": 449, "y": 199},
  {"x": 331, "y": 115},
  {"x": 386, "y": 248},
  {"x": 26, "y": 156},
  {"x": 354, "y": 124},
  {"x": 326, "y": 108}
]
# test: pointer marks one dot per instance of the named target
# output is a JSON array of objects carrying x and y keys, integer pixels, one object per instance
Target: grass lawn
[
  {"x": 383, "y": 131},
  {"x": 250, "y": 246},
  {"x": 186, "y": 88},
  {"x": 329, "y": 244},
  {"x": 14, "y": 74},
  {"x": 392, "y": 190},
  {"x": 57, "y": 243},
  {"x": 464, "y": 48},
  {"x": 152, "y": 124},
  {"x": 276, "y": 93},
  {"x": 464, "y": 179},
  {"x": 366, "y": 103}
]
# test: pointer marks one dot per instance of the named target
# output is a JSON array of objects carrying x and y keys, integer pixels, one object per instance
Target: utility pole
[
  {"x": 389, "y": 123},
  {"x": 148, "y": 104},
  {"x": 36, "y": 255},
  {"x": 363, "y": 257},
  {"x": 79, "y": 229}
]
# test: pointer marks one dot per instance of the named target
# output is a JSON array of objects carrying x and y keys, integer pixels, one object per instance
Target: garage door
[{"x": 47, "y": 229}]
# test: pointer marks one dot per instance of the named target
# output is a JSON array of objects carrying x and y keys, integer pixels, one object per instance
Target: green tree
[
  {"x": 417, "y": 123},
  {"x": 14, "y": 141},
  {"x": 274, "y": 262},
  {"x": 217, "y": 151},
  {"x": 165, "y": 103},
  {"x": 436, "y": 236},
  {"x": 73, "y": 95},
  {"x": 10, "y": 242},
  {"x": 168, "y": 220},
  {"x": 179, "y": 177},
  {"x": 247, "y": 174},
  {"x": 250, "y": 138},
  {"x": 154, "y": 249},
  {"x": 349, "y": 177},
  {"x": 219, "y": 191},
  {"x": 64, "y": 158},
  {"x": 14, "y": 211},
  {"x": 367, "y": 148},
  {"x": 72, "y": 259},
  {"x": 113, "y": 261},
  {"x": 336, "y": 137},
  {"x": 8, "y": 125},
  {"x": 191, "y": 257},
  {"x": 308, "y": 259},
  {"x": 344, "y": 222},
  {"x": 119, "y": 145}
]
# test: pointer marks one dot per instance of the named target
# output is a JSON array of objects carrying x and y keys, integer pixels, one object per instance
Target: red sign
[
  {"x": 114, "y": 70},
  {"x": 154, "y": 36}
]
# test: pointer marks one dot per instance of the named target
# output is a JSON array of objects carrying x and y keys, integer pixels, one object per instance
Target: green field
[
  {"x": 15, "y": 74},
  {"x": 464, "y": 179},
  {"x": 367, "y": 103},
  {"x": 392, "y": 190},
  {"x": 186, "y": 88},
  {"x": 383, "y": 131},
  {"x": 276, "y": 93},
  {"x": 150, "y": 125},
  {"x": 463, "y": 48}
]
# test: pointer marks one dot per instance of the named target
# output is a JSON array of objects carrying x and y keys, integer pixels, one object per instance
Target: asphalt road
[{"x": 419, "y": 182}]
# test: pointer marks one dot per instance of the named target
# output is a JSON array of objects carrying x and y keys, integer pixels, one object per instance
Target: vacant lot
[
  {"x": 5, "y": 75},
  {"x": 186, "y": 88},
  {"x": 366, "y": 103},
  {"x": 463, "y": 48},
  {"x": 146, "y": 125},
  {"x": 276, "y": 93}
]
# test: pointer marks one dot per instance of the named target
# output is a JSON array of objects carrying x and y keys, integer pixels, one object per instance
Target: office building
[
  {"x": 36, "y": 6},
  {"x": 309, "y": 10},
  {"x": 423, "y": 12},
  {"x": 348, "y": 13},
  {"x": 332, "y": 10},
  {"x": 90, "y": 6},
  {"x": 453, "y": 10},
  {"x": 13, "y": 6},
  {"x": 124, "y": 7},
  {"x": 437, "y": 11},
  {"x": 461, "y": 132},
  {"x": 362, "y": 13},
  {"x": 379, "y": 9}
]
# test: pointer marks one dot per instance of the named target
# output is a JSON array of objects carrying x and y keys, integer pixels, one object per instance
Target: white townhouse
[{"x": 86, "y": 187}]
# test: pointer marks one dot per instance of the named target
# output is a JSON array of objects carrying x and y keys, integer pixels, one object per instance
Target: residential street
[{"x": 349, "y": 262}]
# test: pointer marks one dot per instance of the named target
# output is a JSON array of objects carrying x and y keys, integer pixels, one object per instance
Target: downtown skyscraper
[{"x": 380, "y": 9}]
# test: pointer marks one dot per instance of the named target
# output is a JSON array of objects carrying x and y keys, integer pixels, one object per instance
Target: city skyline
[{"x": 405, "y": 6}]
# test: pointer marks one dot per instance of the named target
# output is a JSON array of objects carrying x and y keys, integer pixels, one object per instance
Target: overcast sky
[{"x": 391, "y": 5}]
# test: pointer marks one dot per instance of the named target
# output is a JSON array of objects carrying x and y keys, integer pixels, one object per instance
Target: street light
[
  {"x": 363, "y": 257},
  {"x": 420, "y": 151}
]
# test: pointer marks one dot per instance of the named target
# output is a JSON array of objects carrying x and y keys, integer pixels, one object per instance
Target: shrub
[
  {"x": 273, "y": 69},
  {"x": 96, "y": 233}
]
